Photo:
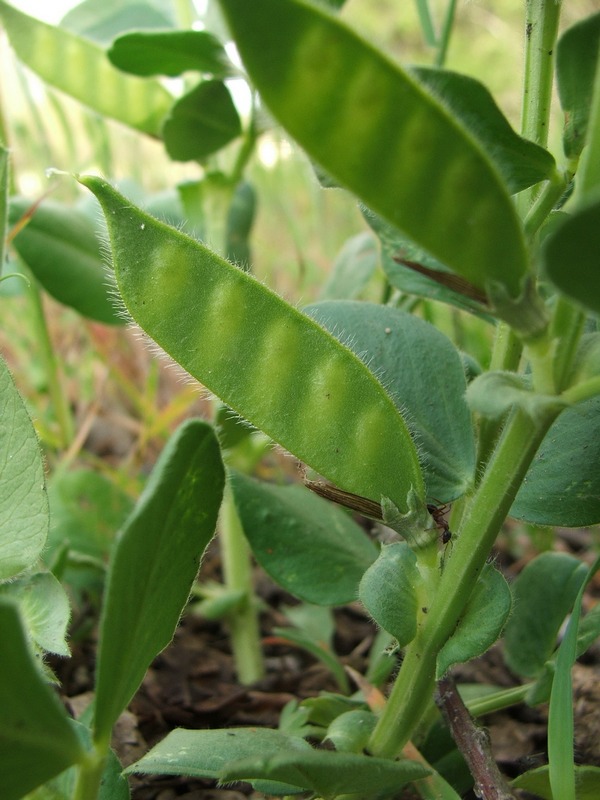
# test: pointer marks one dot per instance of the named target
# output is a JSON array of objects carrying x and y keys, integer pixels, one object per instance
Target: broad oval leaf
[
  {"x": 423, "y": 372},
  {"x": 569, "y": 255},
  {"x": 544, "y": 593},
  {"x": 562, "y": 486},
  {"x": 374, "y": 129},
  {"x": 520, "y": 162},
  {"x": 265, "y": 359},
  {"x": 352, "y": 269},
  {"x": 23, "y": 499},
  {"x": 481, "y": 623},
  {"x": 389, "y": 590},
  {"x": 307, "y": 545},
  {"x": 170, "y": 53},
  {"x": 576, "y": 62},
  {"x": 81, "y": 69},
  {"x": 45, "y": 610},
  {"x": 154, "y": 564},
  {"x": 201, "y": 122},
  {"x": 37, "y": 740},
  {"x": 60, "y": 246},
  {"x": 537, "y": 781}
]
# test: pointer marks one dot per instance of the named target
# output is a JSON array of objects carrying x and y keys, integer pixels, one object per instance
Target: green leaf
[
  {"x": 265, "y": 359},
  {"x": 352, "y": 269},
  {"x": 481, "y": 623},
  {"x": 44, "y": 608},
  {"x": 520, "y": 162},
  {"x": 329, "y": 773},
  {"x": 204, "y": 754},
  {"x": 308, "y": 546},
  {"x": 350, "y": 732},
  {"x": 569, "y": 255},
  {"x": 576, "y": 60},
  {"x": 23, "y": 499},
  {"x": 414, "y": 361},
  {"x": 80, "y": 68},
  {"x": 201, "y": 122},
  {"x": 103, "y": 20},
  {"x": 87, "y": 511},
  {"x": 543, "y": 593},
  {"x": 60, "y": 246},
  {"x": 170, "y": 53},
  {"x": 562, "y": 486},
  {"x": 240, "y": 219},
  {"x": 537, "y": 781},
  {"x": 374, "y": 129},
  {"x": 390, "y": 590},
  {"x": 154, "y": 565},
  {"x": 36, "y": 737}
]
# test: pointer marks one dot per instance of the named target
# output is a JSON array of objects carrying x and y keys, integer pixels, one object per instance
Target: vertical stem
[
  {"x": 237, "y": 569},
  {"x": 52, "y": 369},
  {"x": 483, "y": 519},
  {"x": 445, "y": 35}
]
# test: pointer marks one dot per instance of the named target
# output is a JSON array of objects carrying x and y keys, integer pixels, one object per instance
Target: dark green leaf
[
  {"x": 204, "y": 754},
  {"x": 562, "y": 486},
  {"x": 201, "y": 122},
  {"x": 423, "y": 373},
  {"x": 570, "y": 255},
  {"x": 87, "y": 511},
  {"x": 170, "y": 53},
  {"x": 307, "y": 545},
  {"x": 23, "y": 499},
  {"x": 59, "y": 244},
  {"x": 543, "y": 595},
  {"x": 103, "y": 20},
  {"x": 537, "y": 781},
  {"x": 373, "y": 128},
  {"x": 352, "y": 269},
  {"x": 329, "y": 773},
  {"x": 44, "y": 609},
  {"x": 481, "y": 623},
  {"x": 350, "y": 732},
  {"x": 80, "y": 68},
  {"x": 240, "y": 219},
  {"x": 36, "y": 737},
  {"x": 520, "y": 162},
  {"x": 576, "y": 61},
  {"x": 154, "y": 564},
  {"x": 389, "y": 590}
]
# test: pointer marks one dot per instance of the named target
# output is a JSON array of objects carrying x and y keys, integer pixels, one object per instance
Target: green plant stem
[
  {"x": 583, "y": 391},
  {"x": 237, "y": 569},
  {"x": 445, "y": 34},
  {"x": 487, "y": 510},
  {"x": 426, "y": 22},
  {"x": 89, "y": 776},
  {"x": 541, "y": 28},
  {"x": 568, "y": 324},
  {"x": 498, "y": 700},
  {"x": 52, "y": 370},
  {"x": 545, "y": 202}
]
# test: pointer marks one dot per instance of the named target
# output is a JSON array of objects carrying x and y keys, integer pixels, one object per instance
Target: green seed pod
[
  {"x": 265, "y": 359},
  {"x": 376, "y": 131}
]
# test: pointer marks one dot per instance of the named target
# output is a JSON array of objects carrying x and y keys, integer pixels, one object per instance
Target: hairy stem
[{"x": 483, "y": 519}]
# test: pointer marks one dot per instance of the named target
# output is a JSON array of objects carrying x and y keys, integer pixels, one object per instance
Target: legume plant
[{"x": 388, "y": 416}]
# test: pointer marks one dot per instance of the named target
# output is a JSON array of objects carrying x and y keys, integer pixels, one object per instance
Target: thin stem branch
[{"x": 474, "y": 744}]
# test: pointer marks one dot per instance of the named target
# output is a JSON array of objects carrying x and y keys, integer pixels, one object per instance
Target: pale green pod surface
[
  {"x": 265, "y": 359},
  {"x": 377, "y": 131}
]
